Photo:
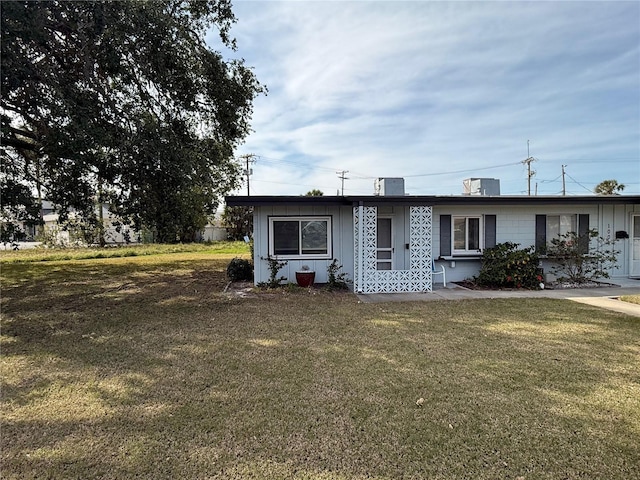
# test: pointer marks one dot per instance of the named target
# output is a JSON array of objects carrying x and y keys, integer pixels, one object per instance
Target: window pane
[
  {"x": 459, "y": 233},
  {"x": 474, "y": 233},
  {"x": 285, "y": 237},
  {"x": 384, "y": 233},
  {"x": 314, "y": 237},
  {"x": 560, "y": 225},
  {"x": 568, "y": 224},
  {"x": 553, "y": 227}
]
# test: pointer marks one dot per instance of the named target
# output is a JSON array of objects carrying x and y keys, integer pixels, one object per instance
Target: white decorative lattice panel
[
  {"x": 356, "y": 251},
  {"x": 370, "y": 280}
]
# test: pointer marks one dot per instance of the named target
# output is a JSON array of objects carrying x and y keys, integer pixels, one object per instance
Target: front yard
[{"x": 142, "y": 367}]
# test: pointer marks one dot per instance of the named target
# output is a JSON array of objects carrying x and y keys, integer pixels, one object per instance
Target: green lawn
[
  {"x": 140, "y": 367},
  {"x": 42, "y": 254}
]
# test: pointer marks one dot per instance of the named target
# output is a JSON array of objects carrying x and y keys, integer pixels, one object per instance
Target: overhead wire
[
  {"x": 578, "y": 183},
  {"x": 367, "y": 177},
  {"x": 360, "y": 176}
]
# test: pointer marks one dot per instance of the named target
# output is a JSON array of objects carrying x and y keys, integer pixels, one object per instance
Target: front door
[
  {"x": 384, "y": 245},
  {"x": 635, "y": 246}
]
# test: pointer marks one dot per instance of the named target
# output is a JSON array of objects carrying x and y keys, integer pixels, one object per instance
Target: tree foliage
[
  {"x": 19, "y": 206},
  {"x": 314, "y": 193},
  {"x": 238, "y": 221},
  {"x": 123, "y": 102},
  {"x": 609, "y": 187}
]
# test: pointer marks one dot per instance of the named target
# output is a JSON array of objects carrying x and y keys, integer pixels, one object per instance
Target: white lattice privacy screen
[{"x": 370, "y": 280}]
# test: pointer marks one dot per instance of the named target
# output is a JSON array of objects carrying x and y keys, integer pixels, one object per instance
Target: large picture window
[
  {"x": 467, "y": 234},
  {"x": 300, "y": 237}
]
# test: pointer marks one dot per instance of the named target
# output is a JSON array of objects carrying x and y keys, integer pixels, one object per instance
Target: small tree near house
[
  {"x": 582, "y": 258},
  {"x": 275, "y": 266}
]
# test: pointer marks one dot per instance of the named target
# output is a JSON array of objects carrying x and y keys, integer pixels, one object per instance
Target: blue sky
[{"x": 437, "y": 92}]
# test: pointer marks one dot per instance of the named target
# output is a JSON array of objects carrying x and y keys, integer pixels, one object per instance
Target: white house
[{"x": 390, "y": 242}]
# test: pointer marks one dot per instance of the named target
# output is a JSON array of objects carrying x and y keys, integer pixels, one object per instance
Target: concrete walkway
[{"x": 603, "y": 297}]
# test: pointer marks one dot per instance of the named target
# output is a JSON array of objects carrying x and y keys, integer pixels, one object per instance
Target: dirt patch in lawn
[{"x": 249, "y": 290}]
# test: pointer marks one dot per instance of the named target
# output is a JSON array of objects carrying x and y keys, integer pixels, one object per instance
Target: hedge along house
[{"x": 391, "y": 242}]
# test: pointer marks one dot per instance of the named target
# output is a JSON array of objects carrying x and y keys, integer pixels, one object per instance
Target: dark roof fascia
[
  {"x": 273, "y": 200},
  {"x": 420, "y": 200}
]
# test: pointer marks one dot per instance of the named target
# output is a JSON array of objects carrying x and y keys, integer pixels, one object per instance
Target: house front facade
[{"x": 394, "y": 243}]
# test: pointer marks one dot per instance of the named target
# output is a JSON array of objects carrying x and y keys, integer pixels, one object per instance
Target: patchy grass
[
  {"x": 631, "y": 298},
  {"x": 59, "y": 254},
  {"x": 140, "y": 367}
]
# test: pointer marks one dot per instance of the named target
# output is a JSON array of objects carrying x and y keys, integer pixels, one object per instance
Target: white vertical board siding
[
  {"x": 343, "y": 241},
  {"x": 260, "y": 244},
  {"x": 341, "y": 235}
]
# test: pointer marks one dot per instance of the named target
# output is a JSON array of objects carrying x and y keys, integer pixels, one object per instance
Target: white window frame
[
  {"x": 466, "y": 250},
  {"x": 300, "y": 219}
]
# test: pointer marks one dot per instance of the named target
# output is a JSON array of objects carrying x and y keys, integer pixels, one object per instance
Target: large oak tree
[{"x": 122, "y": 102}]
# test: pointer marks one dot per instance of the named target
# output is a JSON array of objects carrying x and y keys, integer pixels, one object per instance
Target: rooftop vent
[
  {"x": 485, "y": 187},
  {"x": 389, "y": 186}
]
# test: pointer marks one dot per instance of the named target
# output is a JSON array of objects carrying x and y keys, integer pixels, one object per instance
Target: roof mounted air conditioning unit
[
  {"x": 389, "y": 186},
  {"x": 486, "y": 187}
]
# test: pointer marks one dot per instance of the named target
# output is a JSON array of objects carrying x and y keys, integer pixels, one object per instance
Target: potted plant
[{"x": 305, "y": 276}]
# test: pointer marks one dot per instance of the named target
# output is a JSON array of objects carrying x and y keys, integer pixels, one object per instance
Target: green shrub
[
  {"x": 507, "y": 266},
  {"x": 336, "y": 280},
  {"x": 239, "y": 269},
  {"x": 275, "y": 266}
]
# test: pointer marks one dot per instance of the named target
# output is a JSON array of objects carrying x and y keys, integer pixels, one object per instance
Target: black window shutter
[
  {"x": 583, "y": 232},
  {"x": 489, "y": 231},
  {"x": 541, "y": 233},
  {"x": 445, "y": 235}
]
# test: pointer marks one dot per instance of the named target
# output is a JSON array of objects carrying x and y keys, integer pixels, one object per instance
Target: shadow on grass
[{"x": 153, "y": 373}]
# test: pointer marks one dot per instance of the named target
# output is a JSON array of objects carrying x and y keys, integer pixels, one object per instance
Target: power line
[
  {"x": 356, "y": 175},
  {"x": 314, "y": 167},
  {"x": 578, "y": 183},
  {"x": 551, "y": 181},
  {"x": 323, "y": 187},
  {"x": 450, "y": 172},
  {"x": 590, "y": 160}
]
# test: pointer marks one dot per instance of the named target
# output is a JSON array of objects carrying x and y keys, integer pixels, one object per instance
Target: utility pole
[
  {"x": 249, "y": 159},
  {"x": 564, "y": 189},
  {"x": 341, "y": 176},
  {"x": 530, "y": 173}
]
